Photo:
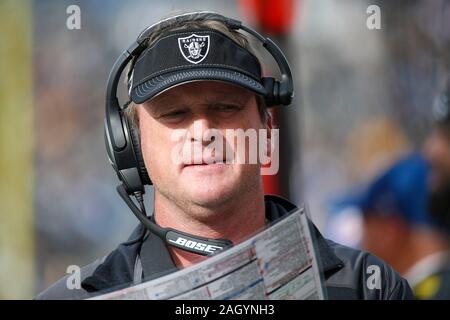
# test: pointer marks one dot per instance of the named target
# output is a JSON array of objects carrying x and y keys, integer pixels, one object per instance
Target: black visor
[{"x": 186, "y": 56}]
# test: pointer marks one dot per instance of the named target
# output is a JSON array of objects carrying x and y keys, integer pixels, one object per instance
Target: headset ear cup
[
  {"x": 272, "y": 88},
  {"x": 135, "y": 139},
  {"x": 284, "y": 94},
  {"x": 276, "y": 93}
]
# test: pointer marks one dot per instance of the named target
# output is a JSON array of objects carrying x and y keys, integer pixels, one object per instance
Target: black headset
[{"x": 122, "y": 140}]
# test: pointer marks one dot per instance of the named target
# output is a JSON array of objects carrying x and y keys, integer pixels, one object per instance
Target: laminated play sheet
[{"x": 276, "y": 264}]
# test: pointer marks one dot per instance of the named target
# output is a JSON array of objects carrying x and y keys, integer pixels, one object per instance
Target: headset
[{"x": 122, "y": 139}]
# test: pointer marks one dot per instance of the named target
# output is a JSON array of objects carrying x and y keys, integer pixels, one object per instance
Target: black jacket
[{"x": 346, "y": 270}]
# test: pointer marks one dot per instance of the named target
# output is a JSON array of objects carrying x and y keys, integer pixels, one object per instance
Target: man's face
[
  {"x": 187, "y": 108},
  {"x": 437, "y": 150}
]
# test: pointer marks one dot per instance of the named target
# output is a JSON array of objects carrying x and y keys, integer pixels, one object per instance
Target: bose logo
[{"x": 196, "y": 245}]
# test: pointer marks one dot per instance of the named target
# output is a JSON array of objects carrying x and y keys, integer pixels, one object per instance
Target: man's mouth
[{"x": 205, "y": 162}]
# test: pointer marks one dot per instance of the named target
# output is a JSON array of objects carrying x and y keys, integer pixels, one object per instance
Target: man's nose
[{"x": 199, "y": 129}]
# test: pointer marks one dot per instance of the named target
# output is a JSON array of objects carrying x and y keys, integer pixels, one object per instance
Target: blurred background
[{"x": 364, "y": 99}]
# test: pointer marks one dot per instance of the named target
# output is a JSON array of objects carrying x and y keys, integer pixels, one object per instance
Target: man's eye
[
  {"x": 174, "y": 114},
  {"x": 227, "y": 107}
]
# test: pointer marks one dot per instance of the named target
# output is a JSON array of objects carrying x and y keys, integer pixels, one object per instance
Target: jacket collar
[{"x": 118, "y": 268}]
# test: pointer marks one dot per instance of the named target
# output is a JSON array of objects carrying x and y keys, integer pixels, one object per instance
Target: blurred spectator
[
  {"x": 398, "y": 229},
  {"x": 437, "y": 150}
]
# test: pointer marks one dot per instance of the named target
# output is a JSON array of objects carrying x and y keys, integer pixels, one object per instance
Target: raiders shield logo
[{"x": 194, "y": 48}]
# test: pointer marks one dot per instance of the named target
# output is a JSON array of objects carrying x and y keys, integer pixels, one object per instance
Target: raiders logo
[{"x": 194, "y": 48}]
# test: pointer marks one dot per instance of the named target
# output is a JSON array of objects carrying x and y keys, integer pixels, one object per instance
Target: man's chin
[
  {"x": 206, "y": 177},
  {"x": 209, "y": 196}
]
